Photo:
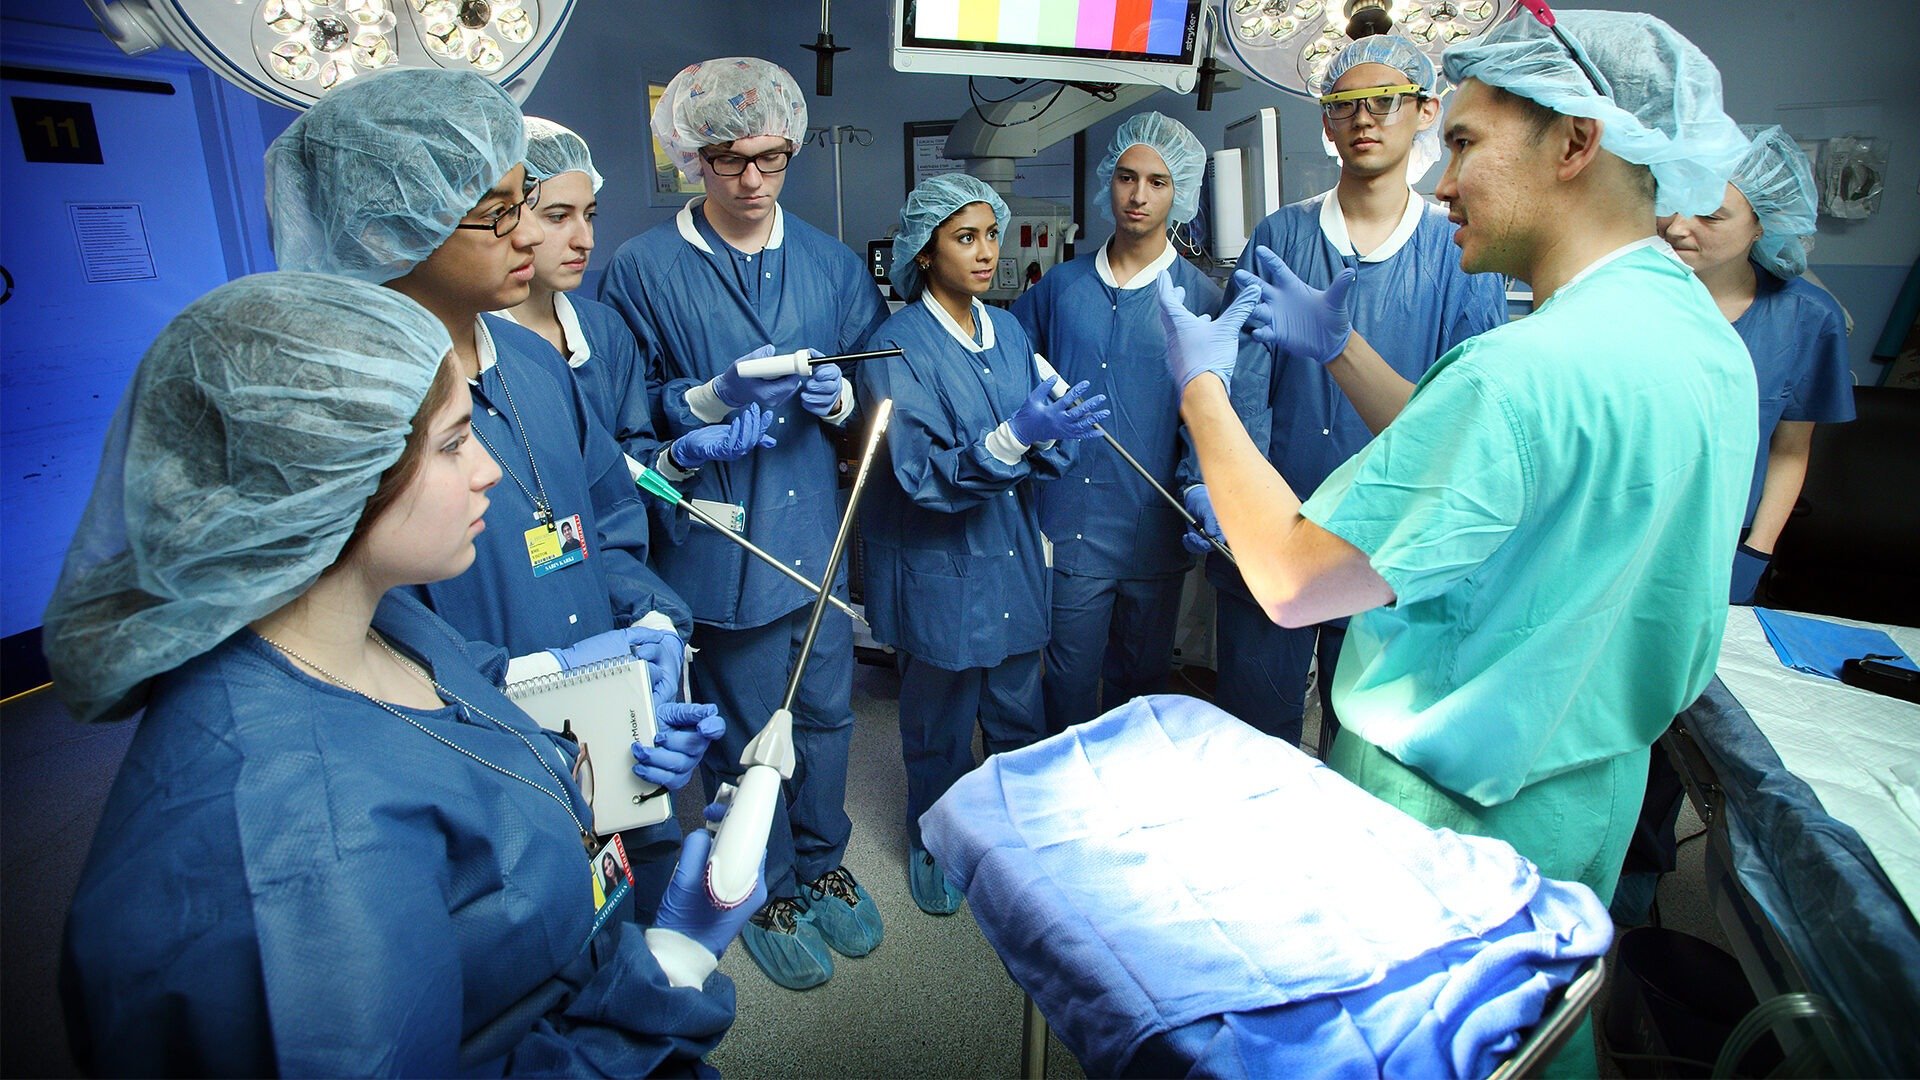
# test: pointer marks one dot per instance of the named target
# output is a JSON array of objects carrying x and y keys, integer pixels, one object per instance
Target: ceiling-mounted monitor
[{"x": 1155, "y": 42}]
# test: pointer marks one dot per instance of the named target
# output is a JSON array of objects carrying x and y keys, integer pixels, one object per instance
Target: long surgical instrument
[
  {"x": 803, "y": 362},
  {"x": 740, "y": 839}
]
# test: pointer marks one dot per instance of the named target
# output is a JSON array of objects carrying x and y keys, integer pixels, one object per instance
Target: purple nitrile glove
[
  {"x": 1200, "y": 505},
  {"x": 1197, "y": 344},
  {"x": 1044, "y": 418},
  {"x": 821, "y": 392},
  {"x": 1293, "y": 315},
  {"x": 729, "y": 441},
  {"x": 683, "y": 732},
  {"x": 627, "y": 641},
  {"x": 737, "y": 391},
  {"x": 685, "y": 907}
]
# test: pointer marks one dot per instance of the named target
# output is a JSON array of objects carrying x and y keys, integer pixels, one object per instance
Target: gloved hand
[
  {"x": 737, "y": 391},
  {"x": 1295, "y": 316},
  {"x": 731, "y": 441},
  {"x": 1044, "y": 418},
  {"x": 1748, "y": 566},
  {"x": 1197, "y": 344},
  {"x": 685, "y": 907},
  {"x": 681, "y": 735},
  {"x": 629, "y": 641},
  {"x": 665, "y": 660},
  {"x": 821, "y": 392},
  {"x": 1200, "y": 505}
]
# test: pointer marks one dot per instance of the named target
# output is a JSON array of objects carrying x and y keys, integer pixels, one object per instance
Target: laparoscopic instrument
[
  {"x": 740, "y": 839},
  {"x": 659, "y": 485},
  {"x": 803, "y": 363},
  {"x": 1060, "y": 390}
]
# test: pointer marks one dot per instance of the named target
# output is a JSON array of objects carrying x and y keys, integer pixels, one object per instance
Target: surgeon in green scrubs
[{"x": 1533, "y": 544}]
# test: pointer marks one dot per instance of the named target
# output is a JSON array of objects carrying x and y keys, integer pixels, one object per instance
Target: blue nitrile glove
[
  {"x": 1045, "y": 419},
  {"x": 737, "y": 391},
  {"x": 625, "y": 642},
  {"x": 686, "y": 909},
  {"x": 731, "y": 441},
  {"x": 665, "y": 660},
  {"x": 1200, "y": 505},
  {"x": 681, "y": 735},
  {"x": 821, "y": 392},
  {"x": 1293, "y": 315},
  {"x": 1748, "y": 565},
  {"x": 1195, "y": 343}
]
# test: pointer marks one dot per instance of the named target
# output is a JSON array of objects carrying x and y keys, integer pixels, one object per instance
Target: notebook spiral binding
[{"x": 599, "y": 669}]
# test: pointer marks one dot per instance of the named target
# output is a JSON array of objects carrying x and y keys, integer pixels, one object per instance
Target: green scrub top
[{"x": 1552, "y": 510}]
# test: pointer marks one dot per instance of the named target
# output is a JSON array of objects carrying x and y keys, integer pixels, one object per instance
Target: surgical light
[
  {"x": 1289, "y": 43},
  {"x": 291, "y": 52}
]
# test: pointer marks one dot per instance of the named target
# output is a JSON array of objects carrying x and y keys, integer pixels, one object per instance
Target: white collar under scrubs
[
  {"x": 980, "y": 320},
  {"x": 1333, "y": 226},
  {"x": 579, "y": 349},
  {"x": 1138, "y": 281}
]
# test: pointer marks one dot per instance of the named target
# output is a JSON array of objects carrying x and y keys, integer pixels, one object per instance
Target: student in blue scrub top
[
  {"x": 455, "y": 225},
  {"x": 334, "y": 847},
  {"x": 733, "y": 273},
  {"x": 1750, "y": 254},
  {"x": 956, "y": 576},
  {"x": 1408, "y": 295},
  {"x": 1118, "y": 561}
]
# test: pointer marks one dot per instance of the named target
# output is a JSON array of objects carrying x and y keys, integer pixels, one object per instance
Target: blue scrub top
[
  {"x": 1798, "y": 339},
  {"x": 1553, "y": 510},
  {"x": 956, "y": 575},
  {"x": 499, "y": 599},
  {"x": 1412, "y": 306},
  {"x": 610, "y": 367},
  {"x": 290, "y": 880},
  {"x": 1103, "y": 519},
  {"x": 695, "y": 305}
]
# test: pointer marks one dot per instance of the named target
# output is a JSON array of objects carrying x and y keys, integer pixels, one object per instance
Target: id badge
[
  {"x": 560, "y": 544},
  {"x": 612, "y": 880},
  {"x": 732, "y": 515}
]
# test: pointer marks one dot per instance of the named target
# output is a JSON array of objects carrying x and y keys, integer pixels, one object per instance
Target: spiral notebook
[{"x": 607, "y": 706}]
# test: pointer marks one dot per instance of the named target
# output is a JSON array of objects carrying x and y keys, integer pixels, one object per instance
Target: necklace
[
  {"x": 542, "y": 508},
  {"x": 586, "y": 834}
]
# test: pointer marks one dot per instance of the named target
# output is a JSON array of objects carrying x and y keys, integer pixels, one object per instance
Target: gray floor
[{"x": 933, "y": 1000}]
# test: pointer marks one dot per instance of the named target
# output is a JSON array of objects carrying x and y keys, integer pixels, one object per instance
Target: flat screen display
[{"x": 1161, "y": 31}]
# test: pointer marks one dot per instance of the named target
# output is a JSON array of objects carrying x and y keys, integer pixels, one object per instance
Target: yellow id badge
[{"x": 551, "y": 547}]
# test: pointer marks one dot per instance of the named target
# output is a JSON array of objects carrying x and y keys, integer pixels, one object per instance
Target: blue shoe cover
[
  {"x": 845, "y": 915},
  {"x": 930, "y": 887},
  {"x": 781, "y": 938}
]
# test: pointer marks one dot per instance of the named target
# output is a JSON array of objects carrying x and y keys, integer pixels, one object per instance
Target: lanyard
[{"x": 542, "y": 506}]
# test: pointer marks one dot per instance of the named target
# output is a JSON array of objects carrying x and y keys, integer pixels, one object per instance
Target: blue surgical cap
[
  {"x": 373, "y": 178},
  {"x": 553, "y": 149},
  {"x": 934, "y": 201},
  {"x": 1185, "y": 158},
  {"x": 718, "y": 101},
  {"x": 1405, "y": 57},
  {"x": 1662, "y": 105},
  {"x": 1778, "y": 183},
  {"x": 235, "y": 470}
]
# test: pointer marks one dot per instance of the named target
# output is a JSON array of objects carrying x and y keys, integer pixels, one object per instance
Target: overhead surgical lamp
[
  {"x": 291, "y": 52},
  {"x": 1288, "y": 44}
]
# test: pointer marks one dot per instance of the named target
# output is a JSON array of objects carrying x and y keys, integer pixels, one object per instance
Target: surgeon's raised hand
[
  {"x": 1044, "y": 418},
  {"x": 682, "y": 733},
  {"x": 1196, "y": 344},
  {"x": 1200, "y": 505},
  {"x": 821, "y": 392},
  {"x": 737, "y": 391},
  {"x": 1294, "y": 316},
  {"x": 686, "y": 908},
  {"x": 729, "y": 441}
]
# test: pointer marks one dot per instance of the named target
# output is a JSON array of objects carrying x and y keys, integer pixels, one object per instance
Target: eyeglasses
[
  {"x": 507, "y": 218},
  {"x": 1547, "y": 19},
  {"x": 773, "y": 161},
  {"x": 1379, "y": 100}
]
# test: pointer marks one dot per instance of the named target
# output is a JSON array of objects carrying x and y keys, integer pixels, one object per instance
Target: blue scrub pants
[
  {"x": 1262, "y": 669},
  {"x": 1119, "y": 631},
  {"x": 938, "y": 709},
  {"x": 745, "y": 673}
]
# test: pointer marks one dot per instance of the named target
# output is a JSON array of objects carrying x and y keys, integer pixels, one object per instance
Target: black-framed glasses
[
  {"x": 1547, "y": 19},
  {"x": 507, "y": 218},
  {"x": 725, "y": 164},
  {"x": 1379, "y": 100}
]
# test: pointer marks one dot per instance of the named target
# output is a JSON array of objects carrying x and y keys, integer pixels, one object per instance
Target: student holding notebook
[{"x": 335, "y": 848}]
